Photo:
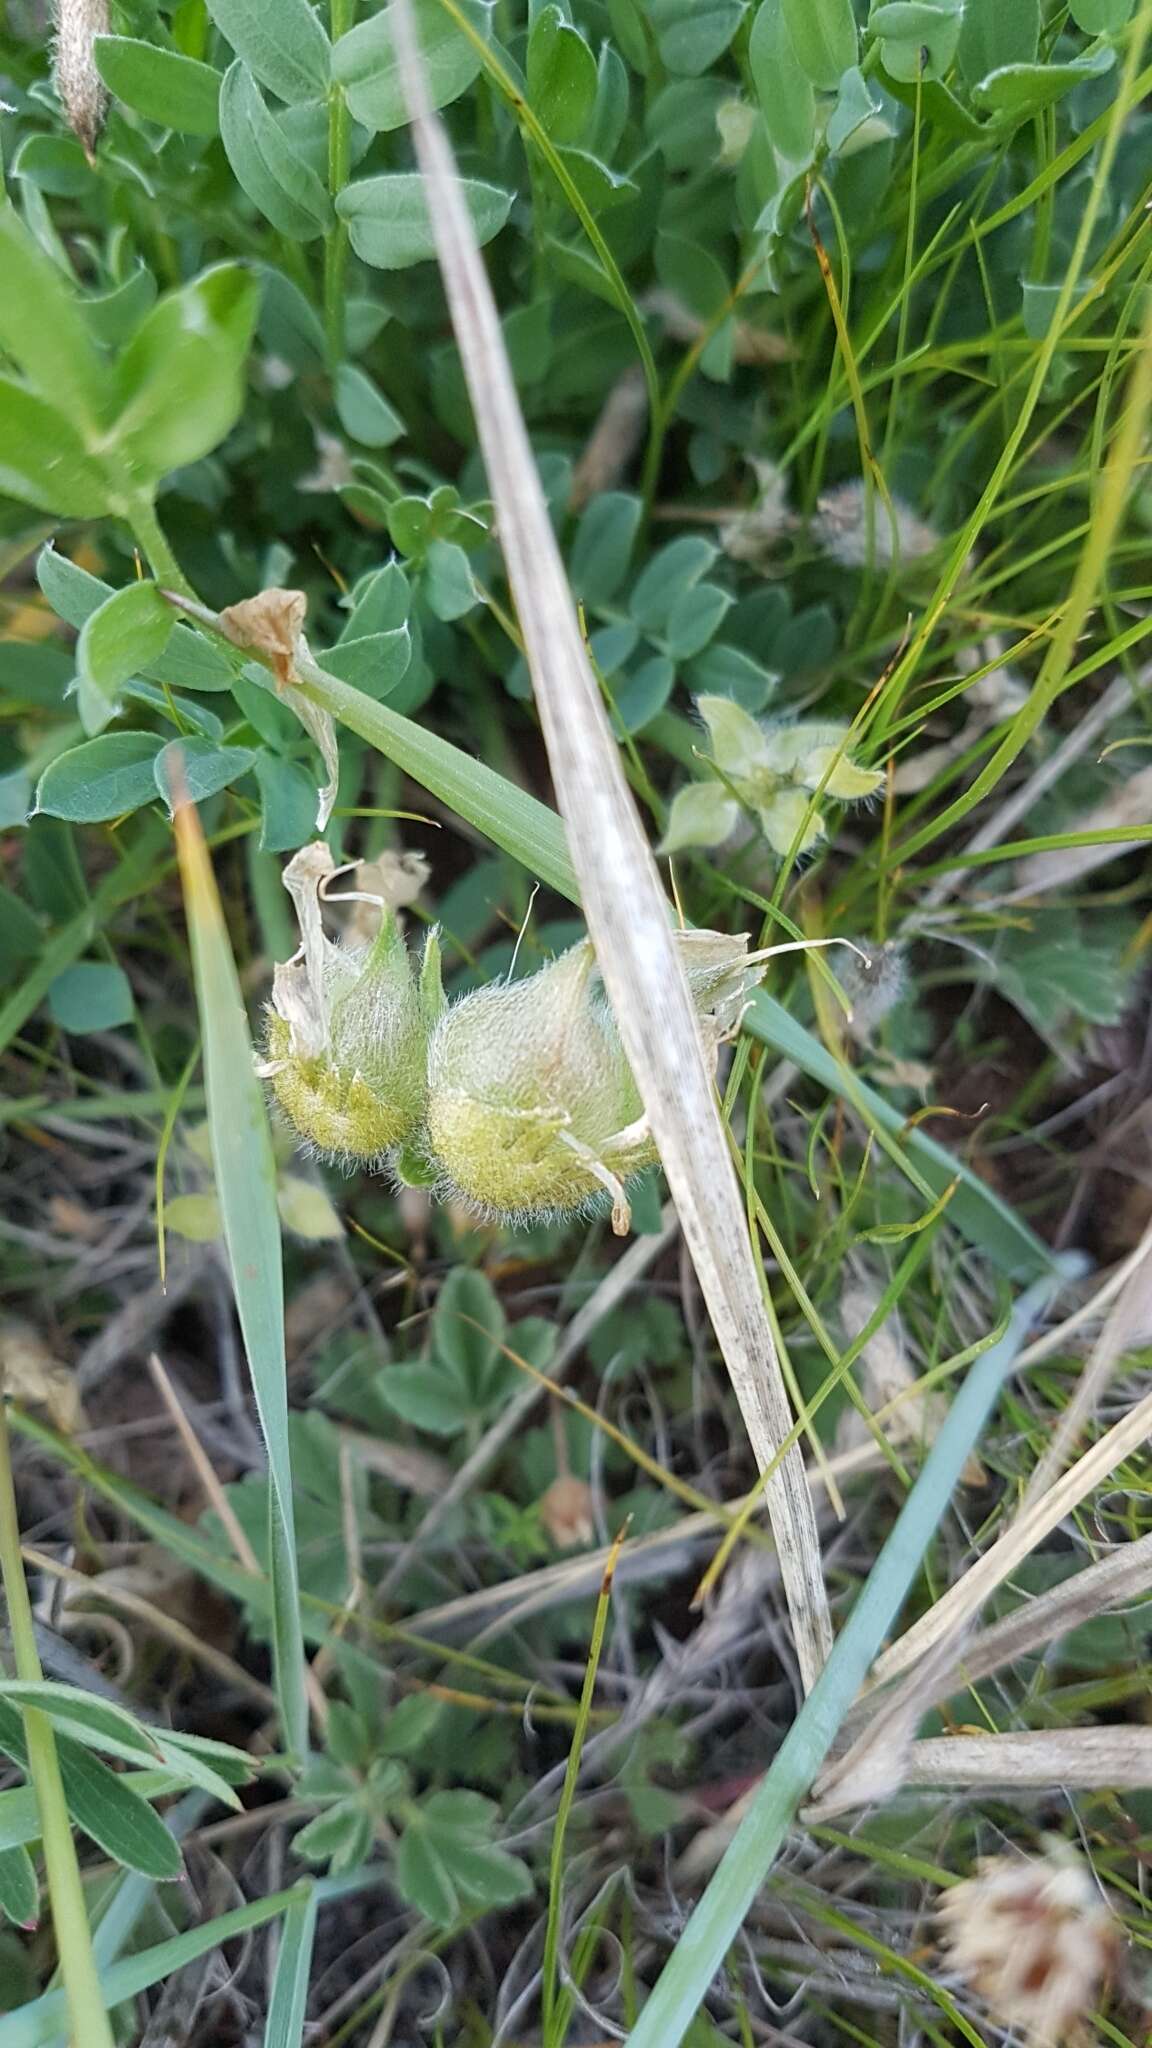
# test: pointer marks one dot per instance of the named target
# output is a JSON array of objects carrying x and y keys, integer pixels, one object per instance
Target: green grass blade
[
  {"x": 286, "y": 2008},
  {"x": 717, "y": 1919},
  {"x": 557, "y": 2010},
  {"x": 40, "y": 2024},
  {"x": 246, "y": 1186}
]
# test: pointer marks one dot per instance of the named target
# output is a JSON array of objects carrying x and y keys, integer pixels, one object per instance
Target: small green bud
[{"x": 348, "y": 1027}]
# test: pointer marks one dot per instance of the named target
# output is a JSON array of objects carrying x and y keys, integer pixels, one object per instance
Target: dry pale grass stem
[{"x": 623, "y": 902}]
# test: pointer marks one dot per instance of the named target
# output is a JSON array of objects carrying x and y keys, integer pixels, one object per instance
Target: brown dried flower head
[
  {"x": 1035, "y": 1938},
  {"x": 566, "y": 1512}
]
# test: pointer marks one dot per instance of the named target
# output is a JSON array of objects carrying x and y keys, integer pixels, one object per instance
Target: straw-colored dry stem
[{"x": 620, "y": 890}]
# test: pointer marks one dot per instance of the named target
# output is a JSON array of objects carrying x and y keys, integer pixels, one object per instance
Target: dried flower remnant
[
  {"x": 390, "y": 882},
  {"x": 751, "y": 536},
  {"x": 840, "y": 529},
  {"x": 532, "y": 1108},
  {"x": 770, "y": 770},
  {"x": 875, "y": 981},
  {"x": 1035, "y": 1938},
  {"x": 750, "y": 344},
  {"x": 348, "y": 1027},
  {"x": 885, "y": 1374},
  {"x": 82, "y": 92},
  {"x": 566, "y": 1512},
  {"x": 271, "y": 626}
]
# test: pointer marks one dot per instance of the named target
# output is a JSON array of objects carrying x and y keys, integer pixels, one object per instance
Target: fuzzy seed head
[
  {"x": 347, "y": 1030},
  {"x": 1035, "y": 1938},
  {"x": 79, "y": 84},
  {"x": 875, "y": 981},
  {"x": 840, "y": 529}
]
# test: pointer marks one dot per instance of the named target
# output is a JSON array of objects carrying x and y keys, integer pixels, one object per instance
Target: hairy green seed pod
[
  {"x": 348, "y": 1028},
  {"x": 527, "y": 1087},
  {"x": 532, "y": 1108}
]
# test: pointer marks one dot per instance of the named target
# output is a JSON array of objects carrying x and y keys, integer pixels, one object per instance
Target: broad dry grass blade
[
  {"x": 1041, "y": 1760},
  {"x": 1119, "y": 1759},
  {"x": 1129, "y": 1323},
  {"x": 968, "y": 1595},
  {"x": 717, "y": 1919},
  {"x": 623, "y": 903}
]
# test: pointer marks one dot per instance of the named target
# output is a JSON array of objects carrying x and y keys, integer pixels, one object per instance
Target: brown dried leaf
[
  {"x": 269, "y": 625},
  {"x": 614, "y": 438},
  {"x": 31, "y": 1375},
  {"x": 566, "y": 1512}
]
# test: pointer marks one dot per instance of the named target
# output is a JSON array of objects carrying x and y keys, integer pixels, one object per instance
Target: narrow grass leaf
[
  {"x": 246, "y": 1185},
  {"x": 286, "y": 2007},
  {"x": 41, "y": 2024},
  {"x": 19, "y": 1891},
  {"x": 558, "y": 2011}
]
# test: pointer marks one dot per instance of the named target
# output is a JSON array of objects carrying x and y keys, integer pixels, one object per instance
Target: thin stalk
[
  {"x": 716, "y": 1922},
  {"x": 87, "y": 2014},
  {"x": 152, "y": 541},
  {"x": 555, "y": 2009},
  {"x": 341, "y": 13}
]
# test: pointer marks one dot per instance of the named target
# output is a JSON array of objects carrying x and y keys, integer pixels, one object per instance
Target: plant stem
[
  {"x": 339, "y": 164},
  {"x": 88, "y": 2016},
  {"x": 153, "y": 544}
]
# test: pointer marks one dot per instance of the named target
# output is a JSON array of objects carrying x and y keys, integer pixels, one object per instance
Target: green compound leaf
[
  {"x": 783, "y": 87},
  {"x": 105, "y": 778},
  {"x": 267, "y": 166},
  {"x": 388, "y": 220},
  {"x": 164, "y": 86},
  {"x": 123, "y": 635},
  {"x": 364, "y": 61},
  {"x": 562, "y": 77},
  {"x": 181, "y": 378},
  {"x": 281, "y": 42},
  {"x": 42, "y": 327},
  {"x": 824, "y": 38},
  {"x": 19, "y": 1891},
  {"x": 94, "y": 995},
  {"x": 43, "y": 460}
]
